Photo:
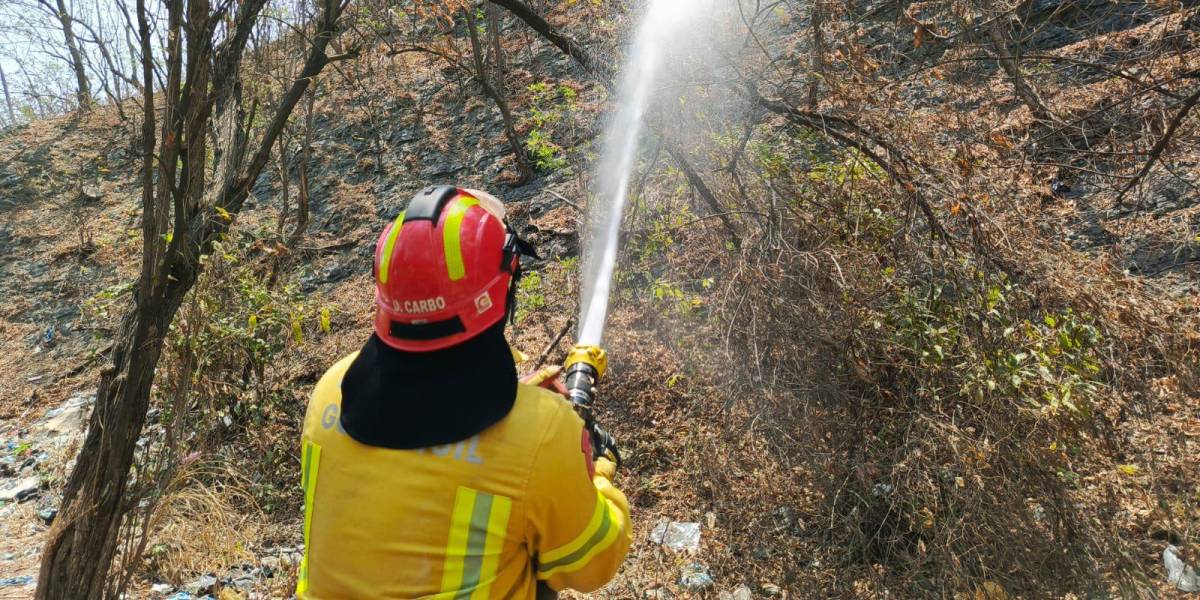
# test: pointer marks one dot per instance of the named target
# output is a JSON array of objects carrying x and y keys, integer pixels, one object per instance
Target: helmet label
[
  {"x": 483, "y": 303},
  {"x": 419, "y": 306}
]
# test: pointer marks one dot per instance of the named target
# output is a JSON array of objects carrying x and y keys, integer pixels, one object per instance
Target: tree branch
[{"x": 1158, "y": 148}]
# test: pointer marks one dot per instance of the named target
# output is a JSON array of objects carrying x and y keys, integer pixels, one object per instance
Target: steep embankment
[{"x": 706, "y": 444}]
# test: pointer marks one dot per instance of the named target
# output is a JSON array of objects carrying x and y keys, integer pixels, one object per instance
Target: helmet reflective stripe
[
  {"x": 388, "y": 246},
  {"x": 452, "y": 236}
]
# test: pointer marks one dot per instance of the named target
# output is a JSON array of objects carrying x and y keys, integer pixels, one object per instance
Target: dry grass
[{"x": 206, "y": 522}]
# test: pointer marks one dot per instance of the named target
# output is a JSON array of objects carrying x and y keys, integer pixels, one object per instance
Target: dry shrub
[
  {"x": 953, "y": 410},
  {"x": 206, "y": 522}
]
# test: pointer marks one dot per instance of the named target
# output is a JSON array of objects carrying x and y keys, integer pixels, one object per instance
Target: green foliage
[
  {"x": 547, "y": 154},
  {"x": 243, "y": 313},
  {"x": 854, "y": 166},
  {"x": 230, "y": 332},
  {"x": 974, "y": 341},
  {"x": 547, "y": 106},
  {"x": 529, "y": 295},
  {"x": 98, "y": 310}
]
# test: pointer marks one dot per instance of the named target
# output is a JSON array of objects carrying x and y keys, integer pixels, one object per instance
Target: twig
[
  {"x": 564, "y": 199},
  {"x": 88, "y": 361},
  {"x": 327, "y": 248},
  {"x": 1162, "y": 144},
  {"x": 553, "y": 344}
]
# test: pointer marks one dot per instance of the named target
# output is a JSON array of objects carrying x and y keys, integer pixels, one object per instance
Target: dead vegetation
[{"x": 927, "y": 336}]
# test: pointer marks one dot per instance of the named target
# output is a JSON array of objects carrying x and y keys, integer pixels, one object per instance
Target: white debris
[
  {"x": 677, "y": 535},
  {"x": 20, "y": 490},
  {"x": 1179, "y": 574}
]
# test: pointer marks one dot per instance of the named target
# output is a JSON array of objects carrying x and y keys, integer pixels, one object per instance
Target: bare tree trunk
[
  {"x": 77, "y": 558},
  {"x": 285, "y": 183},
  {"x": 83, "y": 91},
  {"x": 1012, "y": 66},
  {"x": 481, "y": 75},
  {"x": 817, "y": 70},
  {"x": 499, "y": 61},
  {"x": 12, "y": 115},
  {"x": 302, "y": 174},
  {"x": 569, "y": 46}
]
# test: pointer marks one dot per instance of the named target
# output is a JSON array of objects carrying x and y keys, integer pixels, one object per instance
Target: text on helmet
[{"x": 419, "y": 306}]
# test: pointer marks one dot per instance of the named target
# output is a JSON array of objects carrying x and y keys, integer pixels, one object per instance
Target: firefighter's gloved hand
[
  {"x": 606, "y": 468},
  {"x": 546, "y": 377},
  {"x": 604, "y": 446}
]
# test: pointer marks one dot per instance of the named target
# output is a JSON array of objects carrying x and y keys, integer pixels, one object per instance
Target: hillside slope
[{"x": 735, "y": 405}]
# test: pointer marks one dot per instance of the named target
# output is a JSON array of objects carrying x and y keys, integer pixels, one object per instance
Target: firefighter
[{"x": 429, "y": 471}]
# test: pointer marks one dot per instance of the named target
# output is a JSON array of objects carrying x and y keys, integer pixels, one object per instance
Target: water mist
[{"x": 663, "y": 22}]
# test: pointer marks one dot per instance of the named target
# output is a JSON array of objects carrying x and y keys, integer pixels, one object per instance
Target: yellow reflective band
[
  {"x": 497, "y": 529},
  {"x": 311, "y": 465},
  {"x": 452, "y": 236},
  {"x": 386, "y": 260},
  {"x": 456, "y": 547},
  {"x": 478, "y": 528},
  {"x": 598, "y": 535}
]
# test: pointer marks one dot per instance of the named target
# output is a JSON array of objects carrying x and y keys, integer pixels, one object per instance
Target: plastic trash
[
  {"x": 677, "y": 535},
  {"x": 695, "y": 577},
  {"x": 1179, "y": 574},
  {"x": 47, "y": 514},
  {"x": 16, "y": 581},
  {"x": 741, "y": 593},
  {"x": 21, "y": 490}
]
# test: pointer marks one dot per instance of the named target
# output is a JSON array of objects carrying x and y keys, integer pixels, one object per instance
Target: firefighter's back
[{"x": 448, "y": 521}]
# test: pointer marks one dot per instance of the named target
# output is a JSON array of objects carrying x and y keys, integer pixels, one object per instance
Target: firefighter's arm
[{"x": 581, "y": 526}]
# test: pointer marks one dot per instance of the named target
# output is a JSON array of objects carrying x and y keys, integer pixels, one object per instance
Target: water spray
[{"x": 587, "y": 361}]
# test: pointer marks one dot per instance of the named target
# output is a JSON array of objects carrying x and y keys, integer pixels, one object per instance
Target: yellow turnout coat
[{"x": 486, "y": 517}]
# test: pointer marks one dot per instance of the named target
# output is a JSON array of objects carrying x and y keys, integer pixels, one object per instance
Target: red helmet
[{"x": 444, "y": 269}]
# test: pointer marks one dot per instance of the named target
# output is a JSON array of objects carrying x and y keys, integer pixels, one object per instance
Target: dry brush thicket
[
  {"x": 877, "y": 255},
  {"x": 907, "y": 298}
]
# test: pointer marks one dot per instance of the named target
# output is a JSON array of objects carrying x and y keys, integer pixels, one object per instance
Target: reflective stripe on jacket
[{"x": 482, "y": 518}]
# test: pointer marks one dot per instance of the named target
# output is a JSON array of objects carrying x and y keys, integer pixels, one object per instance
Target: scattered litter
[
  {"x": 658, "y": 594},
  {"x": 69, "y": 417},
  {"x": 20, "y": 491},
  {"x": 202, "y": 585},
  {"x": 1179, "y": 574},
  {"x": 881, "y": 490},
  {"x": 47, "y": 514},
  {"x": 242, "y": 577},
  {"x": 180, "y": 596},
  {"x": 1059, "y": 187},
  {"x": 677, "y": 535},
  {"x": 695, "y": 577},
  {"x": 16, "y": 581},
  {"x": 741, "y": 593},
  {"x": 48, "y": 338},
  {"x": 770, "y": 589},
  {"x": 160, "y": 588}
]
